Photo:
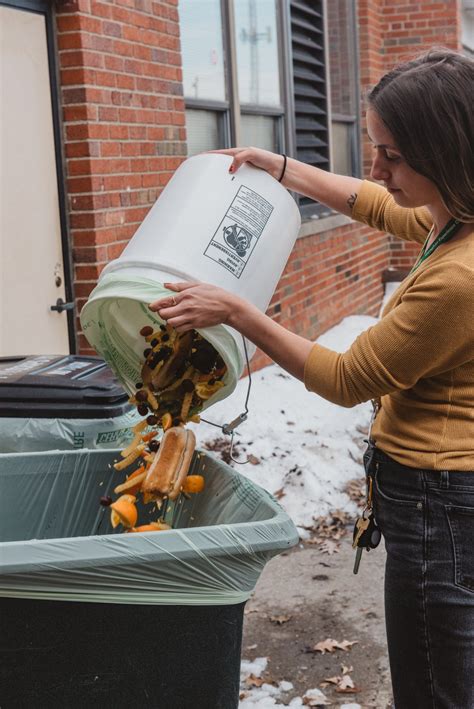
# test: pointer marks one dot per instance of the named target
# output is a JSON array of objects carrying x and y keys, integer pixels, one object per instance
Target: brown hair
[{"x": 428, "y": 106}]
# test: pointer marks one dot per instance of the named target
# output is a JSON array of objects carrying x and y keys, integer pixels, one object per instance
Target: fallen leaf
[
  {"x": 253, "y": 459},
  {"x": 279, "y": 493},
  {"x": 346, "y": 686},
  {"x": 324, "y": 646},
  {"x": 346, "y": 670},
  {"x": 280, "y": 619},
  {"x": 254, "y": 681},
  {"x": 347, "y": 644},
  {"x": 330, "y": 645},
  {"x": 356, "y": 490},
  {"x": 251, "y": 610},
  {"x": 251, "y": 647},
  {"x": 330, "y": 680},
  {"x": 329, "y": 547}
]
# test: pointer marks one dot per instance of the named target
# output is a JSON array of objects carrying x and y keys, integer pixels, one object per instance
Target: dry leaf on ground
[
  {"x": 253, "y": 459},
  {"x": 279, "y": 493},
  {"x": 356, "y": 490},
  {"x": 346, "y": 686},
  {"x": 330, "y": 645},
  {"x": 329, "y": 547},
  {"x": 279, "y": 619},
  {"x": 254, "y": 681}
]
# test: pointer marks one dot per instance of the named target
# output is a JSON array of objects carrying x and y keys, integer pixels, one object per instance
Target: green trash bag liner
[
  {"x": 40, "y": 434},
  {"x": 116, "y": 311},
  {"x": 50, "y": 548}
]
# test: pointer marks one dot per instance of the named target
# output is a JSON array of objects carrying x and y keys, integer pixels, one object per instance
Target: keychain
[{"x": 366, "y": 533}]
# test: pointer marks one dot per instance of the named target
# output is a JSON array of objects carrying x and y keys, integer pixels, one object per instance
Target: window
[
  {"x": 261, "y": 108},
  {"x": 310, "y": 91},
  {"x": 231, "y": 75},
  {"x": 204, "y": 79},
  {"x": 467, "y": 26},
  {"x": 344, "y": 87},
  {"x": 277, "y": 75},
  {"x": 325, "y": 89}
]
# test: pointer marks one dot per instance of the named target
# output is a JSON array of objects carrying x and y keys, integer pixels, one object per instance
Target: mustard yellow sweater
[{"x": 419, "y": 358}]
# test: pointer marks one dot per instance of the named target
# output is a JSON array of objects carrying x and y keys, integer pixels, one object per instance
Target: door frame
[{"x": 45, "y": 8}]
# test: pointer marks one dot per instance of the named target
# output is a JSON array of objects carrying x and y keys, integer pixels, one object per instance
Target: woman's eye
[{"x": 392, "y": 158}]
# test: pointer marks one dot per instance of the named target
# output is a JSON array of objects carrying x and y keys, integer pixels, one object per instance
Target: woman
[{"x": 417, "y": 361}]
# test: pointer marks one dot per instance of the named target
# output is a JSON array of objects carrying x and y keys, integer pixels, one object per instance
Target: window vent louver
[{"x": 309, "y": 77}]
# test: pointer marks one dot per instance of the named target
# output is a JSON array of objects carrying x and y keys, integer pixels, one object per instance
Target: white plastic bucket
[{"x": 234, "y": 231}]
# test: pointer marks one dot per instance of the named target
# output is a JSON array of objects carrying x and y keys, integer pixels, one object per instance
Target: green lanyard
[{"x": 444, "y": 235}]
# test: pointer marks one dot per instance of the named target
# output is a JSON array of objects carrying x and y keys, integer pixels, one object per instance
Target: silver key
[{"x": 357, "y": 559}]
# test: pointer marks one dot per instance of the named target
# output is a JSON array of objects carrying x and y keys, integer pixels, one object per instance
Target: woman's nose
[{"x": 378, "y": 170}]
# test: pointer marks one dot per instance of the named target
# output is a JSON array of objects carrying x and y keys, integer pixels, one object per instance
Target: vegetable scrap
[{"x": 180, "y": 372}]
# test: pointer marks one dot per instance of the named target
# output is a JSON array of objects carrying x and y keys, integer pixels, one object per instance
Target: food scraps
[{"x": 179, "y": 373}]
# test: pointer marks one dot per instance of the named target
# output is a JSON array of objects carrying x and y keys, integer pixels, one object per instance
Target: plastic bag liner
[
  {"x": 49, "y": 514},
  {"x": 116, "y": 311},
  {"x": 41, "y": 434}
]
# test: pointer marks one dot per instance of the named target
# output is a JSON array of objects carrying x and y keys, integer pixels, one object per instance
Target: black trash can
[
  {"x": 91, "y": 617},
  {"x": 62, "y": 402},
  {"x": 60, "y": 654}
]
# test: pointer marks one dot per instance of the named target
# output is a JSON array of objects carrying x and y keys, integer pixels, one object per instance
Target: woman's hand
[
  {"x": 264, "y": 159},
  {"x": 196, "y": 305}
]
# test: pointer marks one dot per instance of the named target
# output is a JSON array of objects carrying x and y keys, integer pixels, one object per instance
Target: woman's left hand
[{"x": 195, "y": 305}]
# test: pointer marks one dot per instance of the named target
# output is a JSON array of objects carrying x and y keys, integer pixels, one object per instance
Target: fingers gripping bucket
[{"x": 234, "y": 231}]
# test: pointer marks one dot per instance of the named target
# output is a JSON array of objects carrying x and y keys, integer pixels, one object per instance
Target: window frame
[{"x": 230, "y": 110}]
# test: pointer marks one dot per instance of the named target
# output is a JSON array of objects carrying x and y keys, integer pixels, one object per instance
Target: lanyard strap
[{"x": 444, "y": 235}]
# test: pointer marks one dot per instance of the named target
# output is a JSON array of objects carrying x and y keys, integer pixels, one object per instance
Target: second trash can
[
  {"x": 50, "y": 402},
  {"x": 126, "y": 620}
]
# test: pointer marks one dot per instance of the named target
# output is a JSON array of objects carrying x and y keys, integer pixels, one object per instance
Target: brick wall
[
  {"x": 123, "y": 117},
  {"x": 390, "y": 32},
  {"x": 124, "y": 135},
  {"x": 328, "y": 277}
]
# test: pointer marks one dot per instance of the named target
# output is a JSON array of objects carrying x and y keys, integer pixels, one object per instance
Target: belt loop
[{"x": 444, "y": 480}]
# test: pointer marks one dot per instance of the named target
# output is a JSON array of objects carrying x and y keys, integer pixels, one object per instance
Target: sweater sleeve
[
  {"x": 377, "y": 208},
  {"x": 429, "y": 332}
]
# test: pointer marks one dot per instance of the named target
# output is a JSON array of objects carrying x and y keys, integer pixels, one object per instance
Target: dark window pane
[
  {"x": 341, "y": 143},
  {"x": 467, "y": 26},
  {"x": 259, "y": 131},
  {"x": 257, "y": 52},
  {"x": 202, "y": 130},
  {"x": 341, "y": 43},
  {"x": 202, "y": 49}
]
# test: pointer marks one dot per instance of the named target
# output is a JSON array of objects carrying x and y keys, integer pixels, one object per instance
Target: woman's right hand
[{"x": 264, "y": 159}]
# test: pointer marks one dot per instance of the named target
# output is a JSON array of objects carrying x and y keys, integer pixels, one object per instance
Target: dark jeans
[{"x": 427, "y": 520}]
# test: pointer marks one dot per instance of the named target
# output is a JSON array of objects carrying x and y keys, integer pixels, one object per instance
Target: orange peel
[
  {"x": 124, "y": 511},
  {"x": 193, "y": 483},
  {"x": 151, "y": 527}
]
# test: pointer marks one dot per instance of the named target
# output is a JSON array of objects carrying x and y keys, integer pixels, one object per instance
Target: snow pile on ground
[
  {"x": 267, "y": 695},
  {"x": 303, "y": 448}
]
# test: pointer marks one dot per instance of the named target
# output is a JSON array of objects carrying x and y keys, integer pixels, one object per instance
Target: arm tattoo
[{"x": 351, "y": 201}]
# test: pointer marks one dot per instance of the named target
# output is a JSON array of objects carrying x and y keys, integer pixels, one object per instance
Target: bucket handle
[{"x": 229, "y": 428}]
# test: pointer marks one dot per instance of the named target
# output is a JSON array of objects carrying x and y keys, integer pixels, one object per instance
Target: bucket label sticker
[{"x": 240, "y": 229}]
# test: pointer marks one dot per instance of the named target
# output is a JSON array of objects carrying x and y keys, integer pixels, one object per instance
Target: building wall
[{"x": 124, "y": 135}]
